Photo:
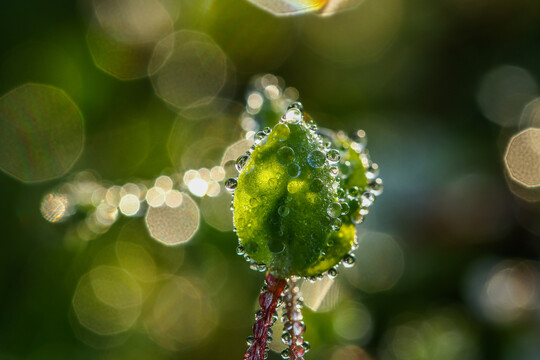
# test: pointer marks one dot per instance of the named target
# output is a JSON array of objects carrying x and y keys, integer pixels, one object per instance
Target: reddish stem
[{"x": 268, "y": 301}]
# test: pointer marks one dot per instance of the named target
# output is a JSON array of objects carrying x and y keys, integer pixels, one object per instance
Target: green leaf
[{"x": 281, "y": 202}]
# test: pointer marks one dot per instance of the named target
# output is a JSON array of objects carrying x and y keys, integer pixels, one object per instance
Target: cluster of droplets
[
  {"x": 348, "y": 261},
  {"x": 260, "y": 138},
  {"x": 270, "y": 299},
  {"x": 252, "y": 264},
  {"x": 293, "y": 324},
  {"x": 267, "y": 97},
  {"x": 352, "y": 204}
]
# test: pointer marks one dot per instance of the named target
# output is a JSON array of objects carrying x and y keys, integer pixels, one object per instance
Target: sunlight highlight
[{"x": 54, "y": 207}]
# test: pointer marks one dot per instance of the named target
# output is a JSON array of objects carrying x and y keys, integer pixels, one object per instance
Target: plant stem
[
  {"x": 293, "y": 326},
  {"x": 269, "y": 301}
]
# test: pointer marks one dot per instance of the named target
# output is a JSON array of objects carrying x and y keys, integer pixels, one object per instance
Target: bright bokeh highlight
[
  {"x": 54, "y": 207},
  {"x": 522, "y": 158},
  {"x": 173, "y": 226}
]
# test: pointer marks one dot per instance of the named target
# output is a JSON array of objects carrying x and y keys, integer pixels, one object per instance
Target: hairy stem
[{"x": 269, "y": 301}]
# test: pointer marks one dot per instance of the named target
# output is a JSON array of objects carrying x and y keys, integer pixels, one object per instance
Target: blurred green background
[{"x": 448, "y": 260}]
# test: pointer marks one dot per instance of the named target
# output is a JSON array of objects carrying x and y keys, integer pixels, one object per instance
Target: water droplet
[
  {"x": 296, "y": 105},
  {"x": 349, "y": 260},
  {"x": 367, "y": 199},
  {"x": 333, "y": 156},
  {"x": 376, "y": 187},
  {"x": 283, "y": 211},
  {"x": 281, "y": 132},
  {"x": 294, "y": 170},
  {"x": 285, "y": 354},
  {"x": 364, "y": 211},
  {"x": 336, "y": 224},
  {"x": 316, "y": 185},
  {"x": 345, "y": 208},
  {"x": 231, "y": 184},
  {"x": 293, "y": 116},
  {"x": 334, "y": 210},
  {"x": 316, "y": 158},
  {"x": 276, "y": 245},
  {"x": 241, "y": 162},
  {"x": 285, "y": 155},
  {"x": 286, "y": 338},
  {"x": 359, "y": 140},
  {"x": 334, "y": 171},
  {"x": 258, "y": 314},
  {"x": 296, "y": 315},
  {"x": 261, "y": 267},
  {"x": 267, "y": 130},
  {"x": 332, "y": 273},
  {"x": 250, "y": 340},
  {"x": 341, "y": 193},
  {"x": 299, "y": 328},
  {"x": 306, "y": 345},
  {"x": 357, "y": 218},
  {"x": 260, "y": 138},
  {"x": 353, "y": 192},
  {"x": 240, "y": 250},
  {"x": 372, "y": 171},
  {"x": 287, "y": 325}
]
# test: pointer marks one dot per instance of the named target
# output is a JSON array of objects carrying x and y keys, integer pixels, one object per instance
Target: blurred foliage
[{"x": 457, "y": 276}]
